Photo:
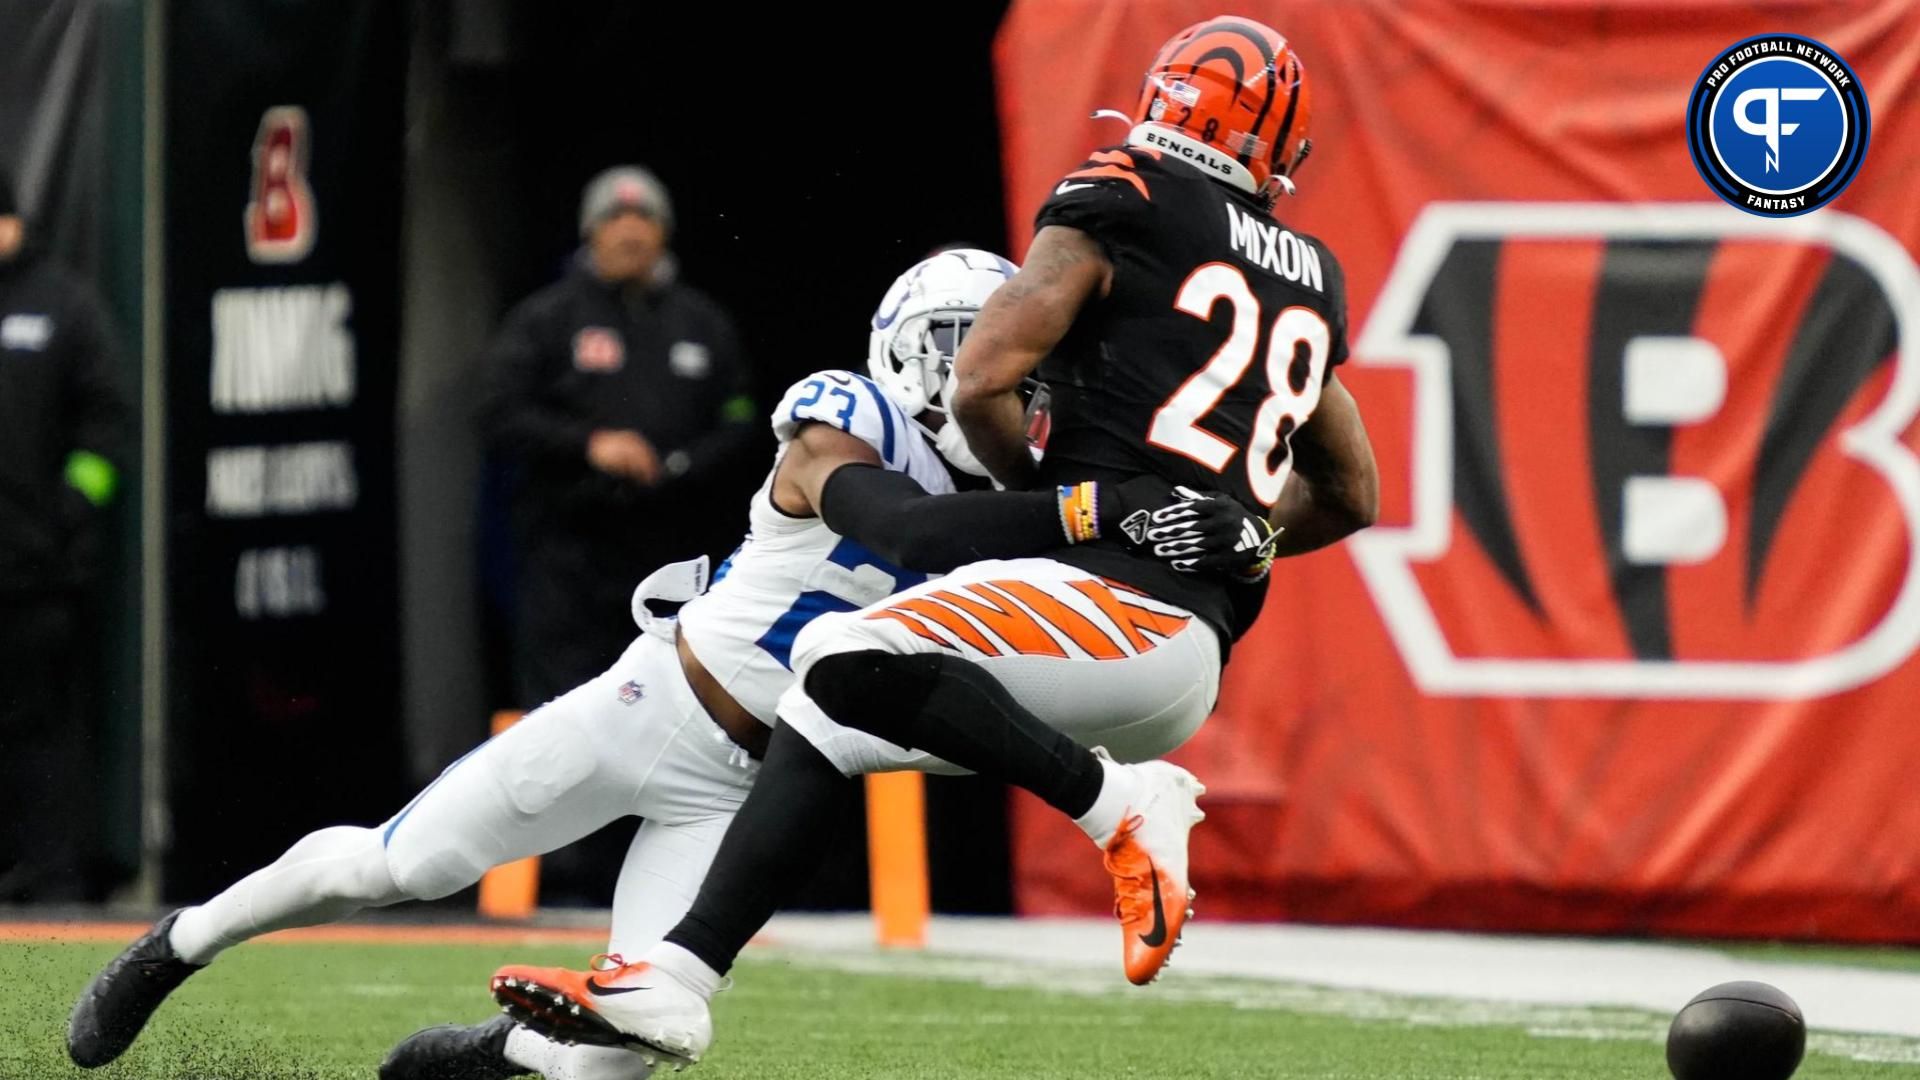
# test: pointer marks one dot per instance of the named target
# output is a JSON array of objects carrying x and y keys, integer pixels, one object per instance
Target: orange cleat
[
  {"x": 635, "y": 1006},
  {"x": 1148, "y": 860}
]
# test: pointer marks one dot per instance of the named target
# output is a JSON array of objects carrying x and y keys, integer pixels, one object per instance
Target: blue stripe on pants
[{"x": 386, "y": 838}]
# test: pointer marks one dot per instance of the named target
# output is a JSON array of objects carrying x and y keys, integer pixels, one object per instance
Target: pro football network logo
[
  {"x": 1715, "y": 495},
  {"x": 1778, "y": 125}
]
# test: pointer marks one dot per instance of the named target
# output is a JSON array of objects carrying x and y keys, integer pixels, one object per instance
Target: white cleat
[
  {"x": 635, "y": 1006},
  {"x": 1148, "y": 860}
]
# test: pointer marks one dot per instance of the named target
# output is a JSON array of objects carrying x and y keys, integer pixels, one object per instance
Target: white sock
[
  {"x": 1110, "y": 808},
  {"x": 326, "y": 876},
  {"x": 556, "y": 1062},
  {"x": 193, "y": 938},
  {"x": 686, "y": 969}
]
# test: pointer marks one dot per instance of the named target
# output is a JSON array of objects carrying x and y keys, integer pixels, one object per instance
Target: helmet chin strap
[
  {"x": 952, "y": 445},
  {"x": 951, "y": 442},
  {"x": 1276, "y": 185},
  {"x": 948, "y": 440}
]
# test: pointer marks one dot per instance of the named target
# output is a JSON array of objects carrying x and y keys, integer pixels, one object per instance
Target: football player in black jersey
[
  {"x": 1185, "y": 333},
  {"x": 1182, "y": 329}
]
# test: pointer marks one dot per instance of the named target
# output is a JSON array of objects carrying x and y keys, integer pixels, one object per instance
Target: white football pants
[
  {"x": 631, "y": 741},
  {"x": 1098, "y": 661}
]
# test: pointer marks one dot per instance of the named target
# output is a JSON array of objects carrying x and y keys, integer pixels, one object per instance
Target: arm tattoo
[{"x": 1051, "y": 261}]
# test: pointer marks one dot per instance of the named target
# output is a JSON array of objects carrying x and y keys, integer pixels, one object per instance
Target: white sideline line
[{"x": 1550, "y": 986}]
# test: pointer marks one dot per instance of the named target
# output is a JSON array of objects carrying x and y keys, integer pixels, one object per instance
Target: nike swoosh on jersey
[{"x": 1064, "y": 188}]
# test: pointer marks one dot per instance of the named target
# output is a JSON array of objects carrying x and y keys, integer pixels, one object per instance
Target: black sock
[
  {"x": 776, "y": 842},
  {"x": 953, "y": 709}
]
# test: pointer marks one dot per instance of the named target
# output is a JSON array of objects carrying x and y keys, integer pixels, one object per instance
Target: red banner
[{"x": 1633, "y": 647}]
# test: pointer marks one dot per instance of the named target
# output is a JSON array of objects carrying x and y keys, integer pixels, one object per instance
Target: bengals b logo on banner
[
  {"x": 280, "y": 218},
  {"x": 1723, "y": 502}
]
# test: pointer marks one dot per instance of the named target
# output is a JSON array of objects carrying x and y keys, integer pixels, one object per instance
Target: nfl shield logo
[{"x": 632, "y": 692}]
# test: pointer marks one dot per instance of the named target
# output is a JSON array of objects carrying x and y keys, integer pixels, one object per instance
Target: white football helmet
[{"x": 917, "y": 330}]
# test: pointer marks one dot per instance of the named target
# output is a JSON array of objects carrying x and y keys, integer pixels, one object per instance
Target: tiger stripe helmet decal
[{"x": 1234, "y": 85}]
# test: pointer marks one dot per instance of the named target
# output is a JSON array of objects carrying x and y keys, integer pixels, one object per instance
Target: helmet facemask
[
  {"x": 917, "y": 332},
  {"x": 921, "y": 350}
]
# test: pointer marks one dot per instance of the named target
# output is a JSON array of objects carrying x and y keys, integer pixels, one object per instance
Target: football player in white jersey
[
  {"x": 860, "y": 504},
  {"x": 1146, "y": 321}
]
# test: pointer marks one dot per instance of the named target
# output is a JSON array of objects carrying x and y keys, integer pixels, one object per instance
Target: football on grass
[{"x": 1737, "y": 1031}]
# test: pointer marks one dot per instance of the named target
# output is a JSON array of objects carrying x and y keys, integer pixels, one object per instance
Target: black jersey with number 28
[{"x": 1210, "y": 348}]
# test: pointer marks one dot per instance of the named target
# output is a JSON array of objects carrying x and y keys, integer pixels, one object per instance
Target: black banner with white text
[{"x": 284, "y": 126}]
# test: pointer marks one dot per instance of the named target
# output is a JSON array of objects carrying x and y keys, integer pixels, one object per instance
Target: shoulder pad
[
  {"x": 848, "y": 401},
  {"x": 1107, "y": 191},
  {"x": 1117, "y": 170}
]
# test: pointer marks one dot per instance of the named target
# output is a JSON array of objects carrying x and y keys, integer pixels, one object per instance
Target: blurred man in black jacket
[
  {"x": 623, "y": 394},
  {"x": 64, "y": 435}
]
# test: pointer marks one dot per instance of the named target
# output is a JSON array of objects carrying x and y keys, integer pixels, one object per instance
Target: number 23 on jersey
[{"x": 1296, "y": 364}]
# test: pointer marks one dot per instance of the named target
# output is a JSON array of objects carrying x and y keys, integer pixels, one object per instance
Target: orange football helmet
[{"x": 1236, "y": 86}]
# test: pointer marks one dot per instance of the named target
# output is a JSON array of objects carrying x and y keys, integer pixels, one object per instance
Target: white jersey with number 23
[{"x": 789, "y": 571}]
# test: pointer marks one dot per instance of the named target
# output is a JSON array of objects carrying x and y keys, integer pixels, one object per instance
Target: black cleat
[
  {"x": 454, "y": 1052},
  {"x": 118, "y": 1002}
]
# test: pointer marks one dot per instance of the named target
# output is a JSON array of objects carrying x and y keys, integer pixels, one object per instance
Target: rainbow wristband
[{"x": 1080, "y": 512}]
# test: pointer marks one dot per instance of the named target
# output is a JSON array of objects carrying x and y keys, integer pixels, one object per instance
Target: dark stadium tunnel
[{"x": 811, "y": 156}]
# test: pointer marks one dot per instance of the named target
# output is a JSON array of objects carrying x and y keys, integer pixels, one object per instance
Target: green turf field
[{"x": 325, "y": 1011}]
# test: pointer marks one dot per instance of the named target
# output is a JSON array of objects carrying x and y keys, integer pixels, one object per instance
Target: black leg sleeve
[
  {"x": 953, "y": 709},
  {"x": 776, "y": 841}
]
